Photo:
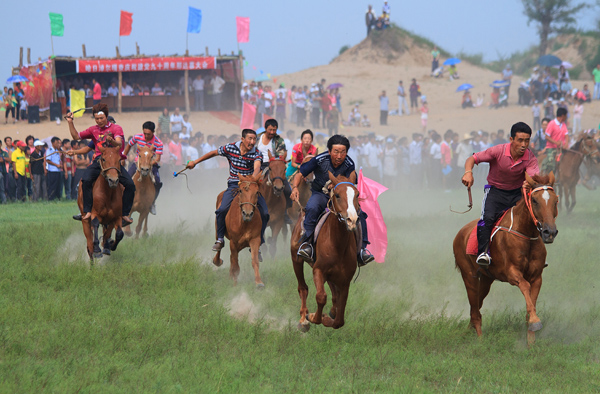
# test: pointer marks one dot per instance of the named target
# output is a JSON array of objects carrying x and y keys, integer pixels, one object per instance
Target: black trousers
[
  {"x": 383, "y": 115},
  {"x": 53, "y": 183},
  {"x": 21, "y": 187},
  {"x": 495, "y": 202},
  {"x": 87, "y": 184}
]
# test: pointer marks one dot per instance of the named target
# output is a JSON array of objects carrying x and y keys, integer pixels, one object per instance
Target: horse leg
[
  {"x": 536, "y": 285},
  {"x": 342, "y": 298},
  {"x": 275, "y": 229},
  {"x": 127, "y": 230},
  {"x": 334, "y": 296},
  {"x": 106, "y": 239},
  {"x": 476, "y": 292},
  {"x": 145, "y": 233},
  {"x": 532, "y": 318},
  {"x": 573, "y": 199},
  {"x": 234, "y": 266},
  {"x": 255, "y": 247},
  {"x": 97, "y": 251},
  {"x": 321, "y": 296},
  {"x": 89, "y": 236},
  {"x": 298, "y": 264}
]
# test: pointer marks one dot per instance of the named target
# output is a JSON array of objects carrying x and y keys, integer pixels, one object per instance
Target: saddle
[
  {"x": 321, "y": 222},
  {"x": 472, "y": 243}
]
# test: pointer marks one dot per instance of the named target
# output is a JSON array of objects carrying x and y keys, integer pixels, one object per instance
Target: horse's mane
[
  {"x": 577, "y": 144},
  {"x": 541, "y": 179}
]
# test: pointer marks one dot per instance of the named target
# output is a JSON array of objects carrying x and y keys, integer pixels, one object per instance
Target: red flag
[
  {"x": 243, "y": 29},
  {"x": 248, "y": 114},
  {"x": 126, "y": 21},
  {"x": 369, "y": 191}
]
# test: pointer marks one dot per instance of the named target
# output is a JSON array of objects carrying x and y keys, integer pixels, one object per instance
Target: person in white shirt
[
  {"x": 188, "y": 150},
  {"x": 156, "y": 89},
  {"x": 208, "y": 147},
  {"x": 198, "y": 86},
  {"x": 187, "y": 128},
  {"x": 217, "y": 85},
  {"x": 23, "y": 107},
  {"x": 402, "y": 103},
  {"x": 113, "y": 90},
  {"x": 415, "y": 154},
  {"x": 176, "y": 122},
  {"x": 435, "y": 151},
  {"x": 372, "y": 153},
  {"x": 126, "y": 90}
]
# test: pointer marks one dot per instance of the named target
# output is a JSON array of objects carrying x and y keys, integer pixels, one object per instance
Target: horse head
[
  {"x": 276, "y": 173},
  {"x": 542, "y": 202},
  {"x": 344, "y": 200},
  {"x": 110, "y": 164},
  {"x": 588, "y": 148},
  {"x": 144, "y": 164},
  {"x": 248, "y": 195}
]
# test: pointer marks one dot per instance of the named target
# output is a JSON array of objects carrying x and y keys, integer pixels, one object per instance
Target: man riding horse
[
  {"x": 107, "y": 134},
  {"x": 337, "y": 162},
  {"x": 244, "y": 159},
  {"x": 556, "y": 139},
  {"x": 270, "y": 141},
  {"x": 147, "y": 138},
  {"x": 508, "y": 165}
]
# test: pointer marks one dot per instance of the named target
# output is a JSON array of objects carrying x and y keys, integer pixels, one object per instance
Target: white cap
[{"x": 38, "y": 143}]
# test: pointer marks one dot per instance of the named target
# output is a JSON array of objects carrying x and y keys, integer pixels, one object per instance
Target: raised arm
[
  {"x": 467, "y": 178},
  {"x": 207, "y": 156},
  {"x": 72, "y": 130}
]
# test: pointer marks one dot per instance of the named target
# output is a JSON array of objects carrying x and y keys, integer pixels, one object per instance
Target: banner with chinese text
[{"x": 146, "y": 64}]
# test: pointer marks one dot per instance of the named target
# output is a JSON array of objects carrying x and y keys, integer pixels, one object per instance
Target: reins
[
  {"x": 246, "y": 202},
  {"x": 527, "y": 197}
]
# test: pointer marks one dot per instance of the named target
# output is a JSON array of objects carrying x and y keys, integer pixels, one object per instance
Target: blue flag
[{"x": 194, "y": 20}]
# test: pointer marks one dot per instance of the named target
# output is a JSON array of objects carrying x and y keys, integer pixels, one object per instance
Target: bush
[{"x": 344, "y": 49}]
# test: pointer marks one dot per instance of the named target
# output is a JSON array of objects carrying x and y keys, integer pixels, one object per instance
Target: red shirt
[
  {"x": 557, "y": 131},
  {"x": 97, "y": 92},
  {"x": 175, "y": 149},
  {"x": 297, "y": 154},
  {"x": 505, "y": 173},
  {"x": 98, "y": 136}
]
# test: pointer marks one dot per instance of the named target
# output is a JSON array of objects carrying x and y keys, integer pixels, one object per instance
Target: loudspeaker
[
  {"x": 55, "y": 111},
  {"x": 33, "y": 114}
]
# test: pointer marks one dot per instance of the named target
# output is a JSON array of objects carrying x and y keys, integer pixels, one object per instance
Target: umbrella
[
  {"x": 321, "y": 134},
  {"x": 335, "y": 86},
  {"x": 500, "y": 84},
  {"x": 549, "y": 61},
  {"x": 262, "y": 78},
  {"x": 452, "y": 61},
  {"x": 16, "y": 78},
  {"x": 565, "y": 64},
  {"x": 464, "y": 86}
]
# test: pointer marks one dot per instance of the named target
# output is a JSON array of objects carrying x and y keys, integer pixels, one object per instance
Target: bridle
[
  {"x": 269, "y": 179},
  {"x": 588, "y": 154},
  {"x": 104, "y": 170},
  {"x": 527, "y": 197},
  {"x": 331, "y": 205},
  {"x": 245, "y": 202}
]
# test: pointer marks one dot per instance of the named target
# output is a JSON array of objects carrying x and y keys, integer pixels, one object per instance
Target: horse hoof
[
  {"x": 260, "y": 286},
  {"x": 304, "y": 327},
  {"x": 218, "y": 262},
  {"x": 535, "y": 326},
  {"x": 106, "y": 251},
  {"x": 98, "y": 255}
]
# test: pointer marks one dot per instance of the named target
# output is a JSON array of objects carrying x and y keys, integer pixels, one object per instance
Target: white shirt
[
  {"x": 24, "y": 104},
  {"x": 178, "y": 120},
  {"x": 384, "y": 103},
  {"x": 198, "y": 84},
  {"x": 190, "y": 152},
  {"x": 400, "y": 90},
  {"x": 436, "y": 151},
  {"x": 414, "y": 150},
  {"x": 113, "y": 91},
  {"x": 209, "y": 164},
  {"x": 217, "y": 84},
  {"x": 126, "y": 90},
  {"x": 463, "y": 151},
  {"x": 264, "y": 149},
  {"x": 372, "y": 151},
  {"x": 289, "y": 145},
  {"x": 188, "y": 128},
  {"x": 389, "y": 161},
  {"x": 268, "y": 98}
]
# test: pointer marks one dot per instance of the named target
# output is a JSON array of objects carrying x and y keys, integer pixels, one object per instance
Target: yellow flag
[{"x": 77, "y": 102}]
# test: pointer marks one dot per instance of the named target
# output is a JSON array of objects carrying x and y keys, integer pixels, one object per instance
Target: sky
[{"x": 285, "y": 35}]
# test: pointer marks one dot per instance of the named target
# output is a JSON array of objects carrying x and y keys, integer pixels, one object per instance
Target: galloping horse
[
  {"x": 107, "y": 207},
  {"x": 591, "y": 161},
  {"x": 144, "y": 190},
  {"x": 518, "y": 253},
  {"x": 335, "y": 255},
  {"x": 272, "y": 191},
  {"x": 303, "y": 193},
  {"x": 568, "y": 168},
  {"x": 243, "y": 226}
]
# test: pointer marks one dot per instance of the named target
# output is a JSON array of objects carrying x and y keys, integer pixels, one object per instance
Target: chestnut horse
[
  {"x": 272, "y": 191},
  {"x": 107, "y": 205},
  {"x": 304, "y": 192},
  {"x": 335, "y": 255},
  {"x": 568, "y": 168},
  {"x": 243, "y": 226},
  {"x": 592, "y": 164},
  {"x": 518, "y": 252},
  {"x": 144, "y": 190}
]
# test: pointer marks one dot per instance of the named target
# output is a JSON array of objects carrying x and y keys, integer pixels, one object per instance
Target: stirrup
[
  {"x": 306, "y": 251},
  {"x": 484, "y": 260},
  {"x": 218, "y": 245},
  {"x": 364, "y": 257}
]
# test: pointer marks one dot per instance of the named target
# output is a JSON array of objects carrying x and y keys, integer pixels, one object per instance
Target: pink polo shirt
[
  {"x": 557, "y": 131},
  {"x": 505, "y": 173}
]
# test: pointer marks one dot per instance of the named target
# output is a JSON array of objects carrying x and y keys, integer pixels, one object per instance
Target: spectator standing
[
  {"x": 176, "y": 149},
  {"x": 217, "y": 84},
  {"x": 53, "y": 168},
  {"x": 499, "y": 139},
  {"x": 538, "y": 141},
  {"x": 435, "y": 151},
  {"x": 435, "y": 59},
  {"x": 164, "y": 122},
  {"x": 96, "y": 91},
  {"x": 4, "y": 158},
  {"x": 20, "y": 161},
  {"x": 176, "y": 122},
  {"x": 113, "y": 90},
  {"x": 446, "y": 154},
  {"x": 300, "y": 99},
  {"x": 556, "y": 137},
  {"x": 333, "y": 120},
  {"x": 415, "y": 151},
  {"x": 326, "y": 104},
  {"x": 596, "y": 73},
  {"x": 9, "y": 105},
  {"x": 187, "y": 128},
  {"x": 507, "y": 75},
  {"x": 390, "y": 164},
  {"x": 402, "y": 103},
  {"x": 577, "y": 112},
  {"x": 372, "y": 153},
  {"x": 23, "y": 108},
  {"x": 292, "y": 102},
  {"x": 208, "y": 147},
  {"x": 370, "y": 19},
  {"x": 384, "y": 105},
  {"x": 414, "y": 92},
  {"x": 548, "y": 109},
  {"x": 38, "y": 172},
  {"x": 81, "y": 163},
  {"x": 9, "y": 180},
  {"x": 424, "y": 115},
  {"x": 280, "y": 105},
  {"x": 536, "y": 111}
]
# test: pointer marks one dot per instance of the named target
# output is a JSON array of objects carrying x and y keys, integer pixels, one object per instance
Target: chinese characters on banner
[{"x": 147, "y": 64}]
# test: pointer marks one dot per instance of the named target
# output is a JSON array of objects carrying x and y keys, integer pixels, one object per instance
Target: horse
[
  {"x": 144, "y": 190},
  {"x": 568, "y": 168},
  {"x": 243, "y": 226},
  {"x": 304, "y": 192},
  {"x": 592, "y": 163},
  {"x": 107, "y": 205},
  {"x": 518, "y": 251},
  {"x": 335, "y": 255},
  {"x": 272, "y": 191}
]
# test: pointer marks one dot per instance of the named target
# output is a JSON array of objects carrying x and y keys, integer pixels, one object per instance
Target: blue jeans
[
  {"x": 597, "y": 91},
  {"x": 221, "y": 212},
  {"x": 315, "y": 206}
]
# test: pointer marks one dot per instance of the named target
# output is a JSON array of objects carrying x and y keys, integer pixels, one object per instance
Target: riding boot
[{"x": 306, "y": 250}]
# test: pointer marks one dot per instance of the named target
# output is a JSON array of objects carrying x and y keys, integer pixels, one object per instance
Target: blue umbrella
[
  {"x": 335, "y": 86},
  {"x": 500, "y": 84},
  {"x": 452, "y": 61},
  {"x": 549, "y": 61},
  {"x": 464, "y": 86},
  {"x": 16, "y": 78}
]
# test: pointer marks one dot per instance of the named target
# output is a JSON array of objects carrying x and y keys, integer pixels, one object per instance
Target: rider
[
  {"x": 107, "y": 134},
  {"x": 147, "y": 138},
  {"x": 556, "y": 137},
  {"x": 336, "y": 161},
  {"x": 508, "y": 165},
  {"x": 267, "y": 141},
  {"x": 244, "y": 159}
]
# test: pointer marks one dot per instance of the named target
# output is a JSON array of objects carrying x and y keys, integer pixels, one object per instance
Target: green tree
[{"x": 551, "y": 16}]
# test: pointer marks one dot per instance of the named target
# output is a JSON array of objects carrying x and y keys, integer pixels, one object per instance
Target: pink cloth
[
  {"x": 97, "y": 95},
  {"x": 505, "y": 173},
  {"x": 248, "y": 114},
  {"x": 369, "y": 191},
  {"x": 243, "y": 29},
  {"x": 557, "y": 131},
  {"x": 98, "y": 136},
  {"x": 446, "y": 154}
]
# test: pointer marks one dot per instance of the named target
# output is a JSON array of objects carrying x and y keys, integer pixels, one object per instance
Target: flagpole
[
  {"x": 52, "y": 42},
  {"x": 119, "y": 44},
  {"x": 186, "y": 43}
]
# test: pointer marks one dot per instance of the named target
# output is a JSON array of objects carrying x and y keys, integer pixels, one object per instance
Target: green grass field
[{"x": 156, "y": 316}]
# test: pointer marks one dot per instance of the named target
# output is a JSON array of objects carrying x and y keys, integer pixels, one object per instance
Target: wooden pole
[
  {"x": 186, "y": 89},
  {"x": 137, "y": 49},
  {"x": 83, "y": 50},
  {"x": 118, "y": 52},
  {"x": 186, "y": 43},
  {"x": 28, "y": 55},
  {"x": 219, "y": 52},
  {"x": 120, "y": 84},
  {"x": 54, "y": 97},
  {"x": 206, "y": 51},
  {"x": 20, "y": 57}
]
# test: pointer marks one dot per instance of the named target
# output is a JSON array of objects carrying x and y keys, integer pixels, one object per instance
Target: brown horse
[
  {"x": 243, "y": 226},
  {"x": 107, "y": 206},
  {"x": 144, "y": 190},
  {"x": 518, "y": 254},
  {"x": 304, "y": 192},
  {"x": 335, "y": 251},
  {"x": 591, "y": 162},
  {"x": 272, "y": 191}
]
